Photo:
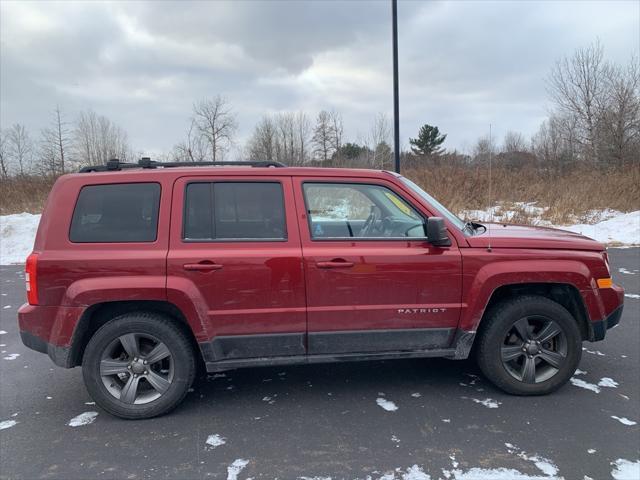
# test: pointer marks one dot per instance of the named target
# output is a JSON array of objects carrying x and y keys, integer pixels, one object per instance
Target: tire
[
  {"x": 139, "y": 365},
  {"x": 513, "y": 336}
]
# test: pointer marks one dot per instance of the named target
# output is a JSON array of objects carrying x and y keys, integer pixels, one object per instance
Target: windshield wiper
[{"x": 473, "y": 226}]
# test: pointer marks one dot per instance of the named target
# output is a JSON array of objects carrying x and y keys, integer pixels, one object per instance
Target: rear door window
[
  {"x": 218, "y": 211},
  {"x": 124, "y": 212}
]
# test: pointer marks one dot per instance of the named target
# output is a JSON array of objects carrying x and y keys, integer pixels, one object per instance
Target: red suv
[{"x": 141, "y": 272}]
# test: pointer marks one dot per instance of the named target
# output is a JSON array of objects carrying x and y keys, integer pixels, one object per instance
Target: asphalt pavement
[{"x": 406, "y": 419}]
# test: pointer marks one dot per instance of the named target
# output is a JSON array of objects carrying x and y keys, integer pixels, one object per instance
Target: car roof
[{"x": 174, "y": 172}]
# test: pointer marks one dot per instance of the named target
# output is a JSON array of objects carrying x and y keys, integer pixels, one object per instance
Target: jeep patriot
[{"x": 143, "y": 273}]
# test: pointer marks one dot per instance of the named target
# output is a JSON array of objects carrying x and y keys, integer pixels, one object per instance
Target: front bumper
[{"x": 598, "y": 329}]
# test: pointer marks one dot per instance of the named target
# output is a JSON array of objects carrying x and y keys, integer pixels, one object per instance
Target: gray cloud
[{"x": 464, "y": 64}]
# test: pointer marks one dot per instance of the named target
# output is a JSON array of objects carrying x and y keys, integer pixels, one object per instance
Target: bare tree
[
  {"x": 96, "y": 140},
  {"x": 337, "y": 129},
  {"x": 283, "y": 137},
  {"x": 379, "y": 137},
  {"x": 193, "y": 149},
  {"x": 20, "y": 148},
  {"x": 55, "y": 144},
  {"x": 303, "y": 133},
  {"x": 514, "y": 142},
  {"x": 620, "y": 123},
  {"x": 4, "y": 156},
  {"x": 323, "y": 137},
  {"x": 216, "y": 123},
  {"x": 578, "y": 87}
]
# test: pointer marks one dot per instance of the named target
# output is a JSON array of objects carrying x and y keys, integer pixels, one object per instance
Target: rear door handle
[
  {"x": 337, "y": 263},
  {"x": 202, "y": 267}
]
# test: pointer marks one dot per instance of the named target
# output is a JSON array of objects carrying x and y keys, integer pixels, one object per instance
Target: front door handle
[
  {"x": 202, "y": 267},
  {"x": 336, "y": 263}
]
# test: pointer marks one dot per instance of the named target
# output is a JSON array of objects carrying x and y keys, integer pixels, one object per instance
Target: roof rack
[{"x": 145, "y": 162}]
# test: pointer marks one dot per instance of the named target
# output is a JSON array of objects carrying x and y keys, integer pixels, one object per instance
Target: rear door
[
  {"x": 235, "y": 251},
  {"x": 374, "y": 283}
]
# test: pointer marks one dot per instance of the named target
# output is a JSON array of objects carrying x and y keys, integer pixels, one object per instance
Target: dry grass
[
  {"x": 570, "y": 197},
  {"x": 24, "y": 194}
]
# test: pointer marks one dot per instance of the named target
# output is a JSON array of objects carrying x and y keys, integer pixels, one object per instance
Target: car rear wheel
[
  {"x": 529, "y": 345},
  {"x": 138, "y": 365}
]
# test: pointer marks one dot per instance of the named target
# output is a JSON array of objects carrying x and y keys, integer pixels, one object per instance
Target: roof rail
[{"x": 145, "y": 162}]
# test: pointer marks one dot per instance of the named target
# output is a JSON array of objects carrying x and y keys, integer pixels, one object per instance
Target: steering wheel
[{"x": 374, "y": 217}]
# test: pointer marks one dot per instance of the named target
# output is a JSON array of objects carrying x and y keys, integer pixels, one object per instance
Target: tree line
[{"x": 594, "y": 121}]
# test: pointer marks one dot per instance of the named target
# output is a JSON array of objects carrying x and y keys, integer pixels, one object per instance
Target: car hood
[{"x": 501, "y": 235}]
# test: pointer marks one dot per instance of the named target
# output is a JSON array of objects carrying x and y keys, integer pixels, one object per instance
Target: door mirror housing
[{"x": 437, "y": 232}]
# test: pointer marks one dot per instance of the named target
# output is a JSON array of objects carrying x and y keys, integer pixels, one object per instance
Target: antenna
[{"x": 490, "y": 199}]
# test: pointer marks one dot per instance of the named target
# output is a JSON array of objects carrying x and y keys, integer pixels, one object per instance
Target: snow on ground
[
  {"x": 625, "y": 470},
  {"x": 487, "y": 402},
  {"x": 624, "y": 420},
  {"x": 235, "y": 468},
  {"x": 83, "y": 419},
  {"x": 7, "y": 424},
  {"x": 623, "y": 228},
  {"x": 215, "y": 441},
  {"x": 18, "y": 231},
  {"x": 387, "y": 405},
  {"x": 578, "y": 382}
]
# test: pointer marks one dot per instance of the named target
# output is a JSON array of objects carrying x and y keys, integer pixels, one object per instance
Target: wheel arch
[
  {"x": 98, "y": 314},
  {"x": 564, "y": 294}
]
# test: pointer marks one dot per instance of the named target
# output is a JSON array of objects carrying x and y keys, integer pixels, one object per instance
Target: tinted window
[
  {"x": 125, "y": 212},
  {"x": 234, "y": 210},
  {"x": 342, "y": 210}
]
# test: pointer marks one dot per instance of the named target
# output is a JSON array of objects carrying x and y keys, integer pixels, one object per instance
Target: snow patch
[
  {"x": 415, "y": 473},
  {"x": 621, "y": 228},
  {"x": 7, "y": 424},
  {"x": 6, "y": 306},
  {"x": 487, "y": 402},
  {"x": 577, "y": 382},
  {"x": 235, "y": 468},
  {"x": 625, "y": 470},
  {"x": 632, "y": 295},
  {"x": 416, "y": 395},
  {"x": 545, "y": 465},
  {"x": 387, "y": 405},
  {"x": 624, "y": 420},
  {"x": 3, "y": 332},
  {"x": 608, "y": 382},
  {"x": 215, "y": 441},
  {"x": 11, "y": 356},
  {"x": 85, "y": 418},
  {"x": 17, "y": 233},
  {"x": 625, "y": 271}
]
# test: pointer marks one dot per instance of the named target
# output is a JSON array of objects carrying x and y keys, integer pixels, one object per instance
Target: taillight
[{"x": 31, "y": 278}]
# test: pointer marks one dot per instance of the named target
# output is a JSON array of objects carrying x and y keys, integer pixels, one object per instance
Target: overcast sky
[{"x": 463, "y": 64}]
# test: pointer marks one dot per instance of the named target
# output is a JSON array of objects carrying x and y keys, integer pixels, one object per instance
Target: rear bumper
[
  {"x": 61, "y": 356},
  {"x": 599, "y": 328},
  {"x": 49, "y": 329}
]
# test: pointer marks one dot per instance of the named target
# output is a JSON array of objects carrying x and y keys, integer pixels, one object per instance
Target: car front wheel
[
  {"x": 529, "y": 345},
  {"x": 138, "y": 365}
]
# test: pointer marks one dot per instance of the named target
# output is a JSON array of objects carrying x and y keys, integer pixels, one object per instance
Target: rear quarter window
[{"x": 114, "y": 213}]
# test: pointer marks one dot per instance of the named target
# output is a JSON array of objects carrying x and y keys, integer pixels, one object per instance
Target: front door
[
  {"x": 235, "y": 252},
  {"x": 374, "y": 283}
]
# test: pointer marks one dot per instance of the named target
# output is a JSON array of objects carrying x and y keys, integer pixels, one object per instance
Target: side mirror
[{"x": 437, "y": 232}]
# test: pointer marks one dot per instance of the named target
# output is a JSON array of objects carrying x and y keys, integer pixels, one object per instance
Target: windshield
[{"x": 432, "y": 201}]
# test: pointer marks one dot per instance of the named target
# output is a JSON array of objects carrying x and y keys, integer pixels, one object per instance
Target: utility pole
[{"x": 396, "y": 94}]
